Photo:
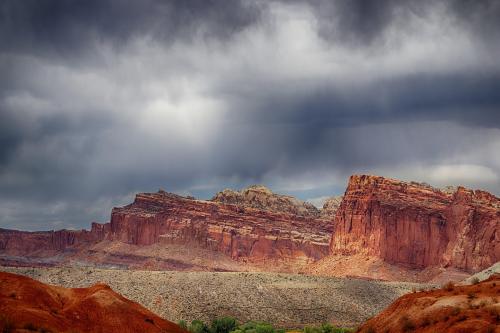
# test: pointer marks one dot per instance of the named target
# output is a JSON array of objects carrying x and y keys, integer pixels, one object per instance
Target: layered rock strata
[
  {"x": 237, "y": 229},
  {"x": 415, "y": 225}
]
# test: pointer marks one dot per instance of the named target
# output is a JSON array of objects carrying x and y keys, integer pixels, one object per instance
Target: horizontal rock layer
[
  {"x": 241, "y": 232},
  {"x": 415, "y": 225}
]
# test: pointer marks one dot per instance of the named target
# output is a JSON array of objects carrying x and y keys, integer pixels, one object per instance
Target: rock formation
[
  {"x": 260, "y": 197},
  {"x": 331, "y": 206},
  {"x": 234, "y": 223},
  {"x": 453, "y": 309},
  {"x": 22, "y": 242},
  {"x": 380, "y": 221},
  {"x": 28, "y": 305},
  {"x": 417, "y": 226}
]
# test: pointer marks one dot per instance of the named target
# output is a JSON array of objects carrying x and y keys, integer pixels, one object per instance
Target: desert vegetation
[{"x": 231, "y": 325}]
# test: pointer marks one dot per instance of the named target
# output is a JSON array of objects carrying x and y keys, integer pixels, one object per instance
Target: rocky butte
[
  {"x": 406, "y": 225},
  {"x": 415, "y": 225},
  {"x": 252, "y": 225}
]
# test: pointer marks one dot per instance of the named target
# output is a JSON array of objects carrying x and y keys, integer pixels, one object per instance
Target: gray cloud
[
  {"x": 76, "y": 29},
  {"x": 102, "y": 99}
]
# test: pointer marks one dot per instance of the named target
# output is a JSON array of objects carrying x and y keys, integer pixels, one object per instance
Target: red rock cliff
[
  {"x": 16, "y": 242},
  {"x": 240, "y": 231},
  {"x": 415, "y": 225}
]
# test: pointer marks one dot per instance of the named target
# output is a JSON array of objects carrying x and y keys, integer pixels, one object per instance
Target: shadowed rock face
[
  {"x": 21, "y": 242},
  {"x": 29, "y": 304},
  {"x": 415, "y": 225}
]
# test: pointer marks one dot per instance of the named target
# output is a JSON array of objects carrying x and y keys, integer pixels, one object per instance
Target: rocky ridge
[
  {"x": 29, "y": 305},
  {"x": 387, "y": 228},
  {"x": 453, "y": 309},
  {"x": 262, "y": 198}
]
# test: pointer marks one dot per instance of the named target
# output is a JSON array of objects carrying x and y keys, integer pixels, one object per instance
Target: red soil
[
  {"x": 453, "y": 309},
  {"x": 28, "y": 305}
]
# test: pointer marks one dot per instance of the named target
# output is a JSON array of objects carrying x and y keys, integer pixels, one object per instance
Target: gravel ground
[{"x": 286, "y": 300}]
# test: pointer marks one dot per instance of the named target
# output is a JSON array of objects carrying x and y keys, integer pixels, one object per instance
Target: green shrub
[
  {"x": 264, "y": 328},
  {"x": 197, "y": 326},
  {"x": 223, "y": 325},
  {"x": 256, "y": 327},
  {"x": 181, "y": 323},
  {"x": 312, "y": 329}
]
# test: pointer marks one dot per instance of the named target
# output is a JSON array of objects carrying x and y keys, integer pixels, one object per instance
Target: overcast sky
[{"x": 102, "y": 99}]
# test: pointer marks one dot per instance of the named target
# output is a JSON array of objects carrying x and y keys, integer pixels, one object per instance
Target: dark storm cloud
[
  {"x": 101, "y": 99},
  {"x": 68, "y": 28},
  {"x": 361, "y": 22},
  {"x": 467, "y": 98}
]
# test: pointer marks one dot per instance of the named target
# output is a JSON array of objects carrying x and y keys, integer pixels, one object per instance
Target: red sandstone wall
[
  {"x": 418, "y": 226},
  {"x": 242, "y": 233}
]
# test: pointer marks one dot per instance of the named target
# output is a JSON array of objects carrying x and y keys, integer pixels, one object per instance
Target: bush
[
  {"x": 325, "y": 328},
  {"x": 181, "y": 323},
  {"x": 312, "y": 329},
  {"x": 255, "y": 327},
  {"x": 471, "y": 295},
  {"x": 449, "y": 286},
  {"x": 197, "y": 326},
  {"x": 223, "y": 325},
  {"x": 475, "y": 280}
]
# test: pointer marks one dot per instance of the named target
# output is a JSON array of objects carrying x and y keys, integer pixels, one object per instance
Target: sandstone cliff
[
  {"x": 238, "y": 229},
  {"x": 380, "y": 222},
  {"x": 21, "y": 243},
  {"x": 417, "y": 226}
]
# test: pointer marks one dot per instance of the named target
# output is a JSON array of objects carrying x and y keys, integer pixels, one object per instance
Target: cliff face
[
  {"x": 237, "y": 229},
  {"x": 398, "y": 223},
  {"x": 415, "y": 225},
  {"x": 260, "y": 197},
  {"x": 16, "y": 242}
]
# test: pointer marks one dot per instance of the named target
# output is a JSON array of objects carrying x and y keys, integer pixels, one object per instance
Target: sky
[{"x": 101, "y": 99}]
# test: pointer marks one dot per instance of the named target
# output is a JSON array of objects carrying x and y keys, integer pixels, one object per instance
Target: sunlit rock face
[
  {"x": 260, "y": 197},
  {"x": 415, "y": 225},
  {"x": 407, "y": 224},
  {"x": 253, "y": 225}
]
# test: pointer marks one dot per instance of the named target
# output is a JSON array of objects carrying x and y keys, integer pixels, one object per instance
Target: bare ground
[{"x": 286, "y": 300}]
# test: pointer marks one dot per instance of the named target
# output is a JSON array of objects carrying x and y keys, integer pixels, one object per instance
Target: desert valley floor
[{"x": 286, "y": 300}]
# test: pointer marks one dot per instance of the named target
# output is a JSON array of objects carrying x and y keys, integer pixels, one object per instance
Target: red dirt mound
[
  {"x": 454, "y": 309},
  {"x": 28, "y": 305}
]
